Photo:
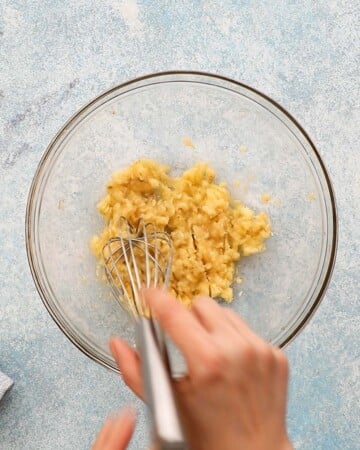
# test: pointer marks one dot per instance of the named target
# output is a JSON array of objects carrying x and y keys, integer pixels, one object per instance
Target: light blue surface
[{"x": 55, "y": 56}]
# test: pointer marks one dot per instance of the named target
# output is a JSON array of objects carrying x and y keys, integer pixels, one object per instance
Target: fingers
[
  {"x": 209, "y": 333},
  {"x": 209, "y": 313},
  {"x": 101, "y": 439},
  {"x": 242, "y": 327},
  {"x": 232, "y": 339},
  {"x": 180, "y": 324},
  {"x": 215, "y": 317},
  {"x": 129, "y": 364},
  {"x": 117, "y": 432},
  {"x": 122, "y": 431}
]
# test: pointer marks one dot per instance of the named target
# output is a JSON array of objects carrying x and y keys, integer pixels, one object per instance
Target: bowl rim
[{"x": 31, "y": 256}]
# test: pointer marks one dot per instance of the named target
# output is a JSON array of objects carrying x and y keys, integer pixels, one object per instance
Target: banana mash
[{"x": 210, "y": 231}]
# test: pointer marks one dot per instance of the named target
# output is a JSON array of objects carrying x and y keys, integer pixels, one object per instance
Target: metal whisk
[{"x": 142, "y": 256}]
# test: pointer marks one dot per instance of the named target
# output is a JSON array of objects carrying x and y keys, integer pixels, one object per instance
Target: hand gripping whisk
[{"x": 142, "y": 256}]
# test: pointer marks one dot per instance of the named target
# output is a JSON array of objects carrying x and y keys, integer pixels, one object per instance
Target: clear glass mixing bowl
[{"x": 148, "y": 117}]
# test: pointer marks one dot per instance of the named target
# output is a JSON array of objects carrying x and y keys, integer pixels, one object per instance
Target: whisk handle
[{"x": 158, "y": 389}]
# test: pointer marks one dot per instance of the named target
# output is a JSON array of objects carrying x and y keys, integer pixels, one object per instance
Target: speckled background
[{"x": 55, "y": 56}]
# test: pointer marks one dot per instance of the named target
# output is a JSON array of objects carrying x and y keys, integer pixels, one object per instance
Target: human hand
[
  {"x": 116, "y": 432},
  {"x": 234, "y": 395}
]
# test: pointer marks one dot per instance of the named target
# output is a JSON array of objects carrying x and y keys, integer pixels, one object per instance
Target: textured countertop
[{"x": 55, "y": 55}]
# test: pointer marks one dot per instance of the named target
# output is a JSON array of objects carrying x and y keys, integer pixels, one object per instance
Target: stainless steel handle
[{"x": 158, "y": 389}]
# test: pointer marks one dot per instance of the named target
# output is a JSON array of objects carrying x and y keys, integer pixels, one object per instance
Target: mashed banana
[{"x": 209, "y": 230}]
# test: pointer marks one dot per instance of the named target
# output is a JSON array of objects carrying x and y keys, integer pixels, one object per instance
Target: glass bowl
[{"x": 253, "y": 144}]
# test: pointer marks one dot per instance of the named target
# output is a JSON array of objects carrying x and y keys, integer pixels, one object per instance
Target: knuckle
[
  {"x": 266, "y": 355},
  {"x": 248, "y": 354},
  {"x": 235, "y": 353},
  {"x": 212, "y": 365}
]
